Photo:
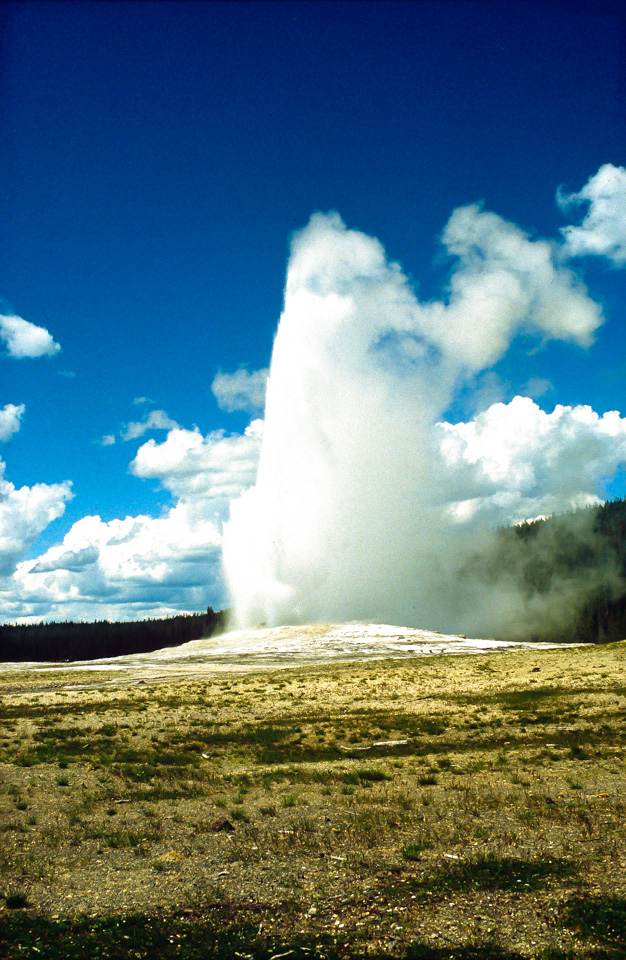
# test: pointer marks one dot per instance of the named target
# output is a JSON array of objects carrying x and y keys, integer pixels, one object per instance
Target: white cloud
[
  {"x": 24, "y": 513},
  {"x": 504, "y": 284},
  {"x": 107, "y": 440},
  {"x": 515, "y": 461},
  {"x": 143, "y": 565},
  {"x": 603, "y": 229},
  {"x": 58, "y": 559},
  {"x": 133, "y": 567},
  {"x": 155, "y": 420},
  {"x": 138, "y": 401},
  {"x": 241, "y": 390},
  {"x": 190, "y": 465},
  {"x": 10, "y": 420},
  {"x": 25, "y": 339},
  {"x": 481, "y": 392}
]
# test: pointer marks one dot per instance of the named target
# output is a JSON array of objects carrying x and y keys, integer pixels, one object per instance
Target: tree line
[{"x": 90, "y": 641}]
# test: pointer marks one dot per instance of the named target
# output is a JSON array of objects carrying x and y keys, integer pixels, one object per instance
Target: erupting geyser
[{"x": 365, "y": 504}]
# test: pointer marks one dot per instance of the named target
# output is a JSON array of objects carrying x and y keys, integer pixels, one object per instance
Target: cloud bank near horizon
[
  {"x": 355, "y": 485},
  {"x": 145, "y": 566}
]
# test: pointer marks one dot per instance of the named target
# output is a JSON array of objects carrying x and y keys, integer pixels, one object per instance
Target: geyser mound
[{"x": 270, "y": 648}]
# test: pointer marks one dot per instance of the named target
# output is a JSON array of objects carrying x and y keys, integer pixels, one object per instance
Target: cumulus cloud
[
  {"x": 218, "y": 466},
  {"x": 503, "y": 284},
  {"x": 10, "y": 420},
  {"x": 24, "y": 513},
  {"x": 155, "y": 420},
  {"x": 136, "y": 566},
  {"x": 25, "y": 339},
  {"x": 515, "y": 461},
  {"x": 242, "y": 390},
  {"x": 107, "y": 440},
  {"x": 73, "y": 559},
  {"x": 603, "y": 229},
  {"x": 146, "y": 565}
]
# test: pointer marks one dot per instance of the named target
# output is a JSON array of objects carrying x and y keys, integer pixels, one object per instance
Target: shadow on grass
[
  {"x": 490, "y": 872},
  {"x": 422, "y": 951},
  {"x": 600, "y": 918},
  {"x": 166, "y": 938}
]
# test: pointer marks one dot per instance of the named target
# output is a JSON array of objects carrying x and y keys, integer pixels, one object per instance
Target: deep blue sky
[{"x": 156, "y": 158}]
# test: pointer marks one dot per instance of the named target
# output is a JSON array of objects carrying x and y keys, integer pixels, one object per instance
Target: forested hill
[{"x": 89, "y": 641}]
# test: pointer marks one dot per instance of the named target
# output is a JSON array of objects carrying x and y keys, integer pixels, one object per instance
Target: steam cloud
[{"x": 367, "y": 505}]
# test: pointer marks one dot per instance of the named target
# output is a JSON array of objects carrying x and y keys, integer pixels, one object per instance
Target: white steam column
[{"x": 355, "y": 514}]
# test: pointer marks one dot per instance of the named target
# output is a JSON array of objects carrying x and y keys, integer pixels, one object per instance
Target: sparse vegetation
[
  {"x": 464, "y": 807},
  {"x": 16, "y": 901}
]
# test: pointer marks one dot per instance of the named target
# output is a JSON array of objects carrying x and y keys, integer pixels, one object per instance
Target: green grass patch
[
  {"x": 603, "y": 918},
  {"x": 365, "y": 775},
  {"x": 372, "y": 775},
  {"x": 427, "y": 780},
  {"x": 16, "y": 901},
  {"x": 413, "y": 851}
]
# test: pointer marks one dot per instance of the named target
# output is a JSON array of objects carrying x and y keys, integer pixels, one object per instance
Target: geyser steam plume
[{"x": 365, "y": 506}]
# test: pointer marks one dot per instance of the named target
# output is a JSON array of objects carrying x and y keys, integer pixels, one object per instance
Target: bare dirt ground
[{"x": 453, "y": 806}]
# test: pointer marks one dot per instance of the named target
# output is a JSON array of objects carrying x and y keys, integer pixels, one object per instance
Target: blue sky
[{"x": 157, "y": 158}]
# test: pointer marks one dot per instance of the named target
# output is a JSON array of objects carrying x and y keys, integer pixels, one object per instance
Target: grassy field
[{"x": 453, "y": 807}]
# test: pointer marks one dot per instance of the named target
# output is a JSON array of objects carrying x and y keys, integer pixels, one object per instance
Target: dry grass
[{"x": 474, "y": 803}]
